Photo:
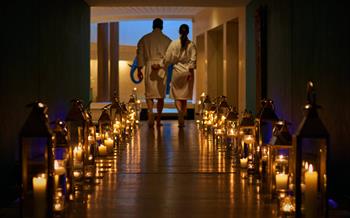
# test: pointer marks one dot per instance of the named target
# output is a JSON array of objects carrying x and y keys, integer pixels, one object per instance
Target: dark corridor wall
[
  {"x": 308, "y": 40},
  {"x": 45, "y": 50}
]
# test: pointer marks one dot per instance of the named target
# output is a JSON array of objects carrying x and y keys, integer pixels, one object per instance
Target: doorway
[
  {"x": 232, "y": 56},
  {"x": 215, "y": 82}
]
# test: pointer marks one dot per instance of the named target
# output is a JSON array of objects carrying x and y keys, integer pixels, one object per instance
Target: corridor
[{"x": 172, "y": 172}]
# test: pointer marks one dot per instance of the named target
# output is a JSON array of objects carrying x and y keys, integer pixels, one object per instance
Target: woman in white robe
[{"x": 183, "y": 55}]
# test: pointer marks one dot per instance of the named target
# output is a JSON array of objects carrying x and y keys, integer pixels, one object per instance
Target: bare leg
[
  {"x": 150, "y": 112},
  {"x": 181, "y": 108},
  {"x": 160, "y": 105}
]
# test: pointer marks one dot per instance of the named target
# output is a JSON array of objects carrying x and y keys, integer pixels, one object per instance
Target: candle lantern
[
  {"x": 116, "y": 110},
  {"x": 125, "y": 122},
  {"x": 132, "y": 108},
  {"x": 223, "y": 108},
  {"x": 78, "y": 135},
  {"x": 311, "y": 142},
  {"x": 212, "y": 116},
  {"x": 265, "y": 120},
  {"x": 90, "y": 149},
  {"x": 137, "y": 105},
  {"x": 37, "y": 159},
  {"x": 201, "y": 104},
  {"x": 117, "y": 118},
  {"x": 232, "y": 130},
  {"x": 247, "y": 131},
  {"x": 63, "y": 163},
  {"x": 104, "y": 123},
  {"x": 280, "y": 156},
  {"x": 205, "y": 113}
]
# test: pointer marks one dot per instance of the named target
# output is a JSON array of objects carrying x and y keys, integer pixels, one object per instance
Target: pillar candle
[
  {"x": 59, "y": 169},
  {"x": 281, "y": 181},
  {"x": 109, "y": 144},
  {"x": 102, "y": 150},
  {"x": 39, "y": 191},
  {"x": 244, "y": 162},
  {"x": 78, "y": 154},
  {"x": 311, "y": 181}
]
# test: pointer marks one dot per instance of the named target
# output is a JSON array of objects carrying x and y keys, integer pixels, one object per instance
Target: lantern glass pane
[{"x": 313, "y": 176}]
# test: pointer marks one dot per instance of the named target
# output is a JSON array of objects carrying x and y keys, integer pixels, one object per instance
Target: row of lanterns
[
  {"x": 292, "y": 168},
  {"x": 57, "y": 162}
]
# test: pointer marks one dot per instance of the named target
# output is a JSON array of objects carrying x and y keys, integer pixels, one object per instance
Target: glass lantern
[
  {"x": 37, "y": 160},
  {"x": 63, "y": 154},
  {"x": 104, "y": 123},
  {"x": 132, "y": 109},
  {"x": 125, "y": 121},
  {"x": 224, "y": 107},
  {"x": 232, "y": 133},
  {"x": 311, "y": 142},
  {"x": 265, "y": 121},
  {"x": 116, "y": 113},
  {"x": 200, "y": 108},
  {"x": 205, "y": 114},
  {"x": 78, "y": 133},
  {"x": 90, "y": 150},
  {"x": 137, "y": 105},
  {"x": 280, "y": 161},
  {"x": 247, "y": 131},
  {"x": 220, "y": 125}
]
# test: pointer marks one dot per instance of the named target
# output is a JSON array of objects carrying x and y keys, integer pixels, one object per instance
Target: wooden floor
[{"x": 172, "y": 172}]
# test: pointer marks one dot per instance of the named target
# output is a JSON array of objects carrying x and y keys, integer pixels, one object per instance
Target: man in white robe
[{"x": 150, "y": 50}]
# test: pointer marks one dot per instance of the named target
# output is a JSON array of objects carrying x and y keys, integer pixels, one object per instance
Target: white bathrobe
[
  {"x": 183, "y": 60},
  {"x": 150, "y": 50}
]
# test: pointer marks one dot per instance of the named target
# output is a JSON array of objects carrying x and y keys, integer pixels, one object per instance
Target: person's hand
[
  {"x": 190, "y": 75},
  {"x": 155, "y": 67}
]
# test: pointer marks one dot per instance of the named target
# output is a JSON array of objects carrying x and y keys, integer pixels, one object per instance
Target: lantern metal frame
[
  {"x": 280, "y": 159},
  {"x": 247, "y": 131},
  {"x": 78, "y": 133},
  {"x": 311, "y": 142},
  {"x": 36, "y": 156},
  {"x": 63, "y": 153}
]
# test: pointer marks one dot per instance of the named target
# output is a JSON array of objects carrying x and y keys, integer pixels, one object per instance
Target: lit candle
[
  {"x": 98, "y": 136},
  {"x": 281, "y": 181},
  {"x": 109, "y": 144},
  {"x": 59, "y": 169},
  {"x": 39, "y": 189},
  {"x": 248, "y": 139},
  {"x": 244, "y": 162},
  {"x": 78, "y": 153},
  {"x": 311, "y": 181},
  {"x": 102, "y": 150}
]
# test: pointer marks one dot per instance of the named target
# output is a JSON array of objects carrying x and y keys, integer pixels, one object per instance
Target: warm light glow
[
  {"x": 311, "y": 168},
  {"x": 76, "y": 174},
  {"x": 59, "y": 167},
  {"x": 306, "y": 165}
]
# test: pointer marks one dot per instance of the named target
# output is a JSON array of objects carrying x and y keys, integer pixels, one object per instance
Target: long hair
[{"x": 183, "y": 31}]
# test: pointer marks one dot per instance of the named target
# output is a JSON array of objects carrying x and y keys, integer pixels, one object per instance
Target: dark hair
[
  {"x": 158, "y": 23},
  {"x": 183, "y": 31}
]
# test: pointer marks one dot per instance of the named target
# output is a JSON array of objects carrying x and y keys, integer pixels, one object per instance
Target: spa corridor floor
[{"x": 172, "y": 172}]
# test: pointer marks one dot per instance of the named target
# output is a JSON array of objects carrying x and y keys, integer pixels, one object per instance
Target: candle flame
[
  {"x": 306, "y": 165},
  {"x": 311, "y": 168}
]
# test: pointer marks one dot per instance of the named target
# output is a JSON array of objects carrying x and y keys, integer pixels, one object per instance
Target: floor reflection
[{"x": 172, "y": 172}]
